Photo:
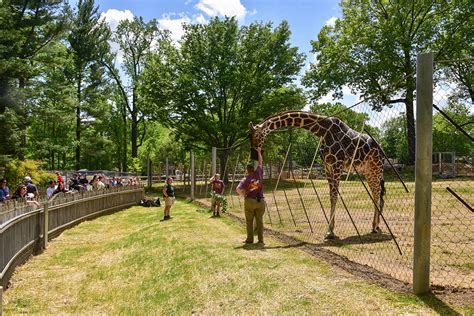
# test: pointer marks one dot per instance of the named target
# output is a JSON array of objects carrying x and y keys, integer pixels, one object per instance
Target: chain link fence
[{"x": 298, "y": 199}]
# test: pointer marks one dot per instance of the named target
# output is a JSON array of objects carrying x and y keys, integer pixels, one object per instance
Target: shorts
[{"x": 169, "y": 200}]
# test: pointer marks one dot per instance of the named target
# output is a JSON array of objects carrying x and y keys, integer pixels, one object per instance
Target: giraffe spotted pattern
[{"x": 341, "y": 147}]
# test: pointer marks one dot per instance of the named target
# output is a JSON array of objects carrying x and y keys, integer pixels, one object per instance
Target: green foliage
[
  {"x": 87, "y": 46},
  {"x": 394, "y": 140},
  {"x": 135, "y": 165},
  {"x": 372, "y": 49},
  {"x": 16, "y": 170},
  {"x": 222, "y": 77},
  {"x": 445, "y": 135}
]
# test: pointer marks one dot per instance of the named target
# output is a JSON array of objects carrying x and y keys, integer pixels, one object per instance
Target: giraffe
[{"x": 341, "y": 146}]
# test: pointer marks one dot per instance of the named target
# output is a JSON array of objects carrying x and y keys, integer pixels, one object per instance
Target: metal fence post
[
  {"x": 193, "y": 176},
  {"x": 423, "y": 173},
  {"x": 45, "y": 224},
  {"x": 214, "y": 161}
]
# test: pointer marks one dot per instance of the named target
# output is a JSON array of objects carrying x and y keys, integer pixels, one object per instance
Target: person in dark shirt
[
  {"x": 251, "y": 189},
  {"x": 31, "y": 189},
  {"x": 21, "y": 194},
  {"x": 168, "y": 195}
]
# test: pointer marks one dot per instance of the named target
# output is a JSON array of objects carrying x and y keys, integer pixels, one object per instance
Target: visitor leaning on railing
[{"x": 4, "y": 191}]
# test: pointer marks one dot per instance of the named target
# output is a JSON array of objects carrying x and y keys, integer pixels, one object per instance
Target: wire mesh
[{"x": 298, "y": 200}]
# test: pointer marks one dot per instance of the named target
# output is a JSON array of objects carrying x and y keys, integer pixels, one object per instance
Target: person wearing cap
[
  {"x": 59, "y": 177},
  {"x": 251, "y": 188},
  {"x": 31, "y": 189}
]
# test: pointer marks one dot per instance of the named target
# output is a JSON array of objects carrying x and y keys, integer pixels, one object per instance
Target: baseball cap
[{"x": 27, "y": 179}]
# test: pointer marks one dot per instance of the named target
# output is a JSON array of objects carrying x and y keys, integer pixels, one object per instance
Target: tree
[
  {"x": 87, "y": 44},
  {"x": 137, "y": 40},
  {"x": 394, "y": 140},
  {"x": 26, "y": 29},
  {"x": 220, "y": 78},
  {"x": 445, "y": 135},
  {"x": 373, "y": 48},
  {"x": 50, "y": 132}
]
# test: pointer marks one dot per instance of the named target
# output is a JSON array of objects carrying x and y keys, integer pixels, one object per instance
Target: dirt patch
[{"x": 452, "y": 295}]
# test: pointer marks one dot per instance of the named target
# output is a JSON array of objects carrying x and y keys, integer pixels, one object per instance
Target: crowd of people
[{"x": 76, "y": 183}]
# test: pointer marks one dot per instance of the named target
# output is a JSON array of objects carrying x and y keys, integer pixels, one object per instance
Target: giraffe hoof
[
  {"x": 376, "y": 230},
  {"x": 329, "y": 236}
]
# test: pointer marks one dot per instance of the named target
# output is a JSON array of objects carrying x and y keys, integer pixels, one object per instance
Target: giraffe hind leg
[{"x": 377, "y": 213}]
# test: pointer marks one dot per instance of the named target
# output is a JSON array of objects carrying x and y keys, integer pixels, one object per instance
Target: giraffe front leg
[{"x": 333, "y": 197}]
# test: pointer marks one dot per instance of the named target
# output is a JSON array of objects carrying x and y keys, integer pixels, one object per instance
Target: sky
[{"x": 305, "y": 17}]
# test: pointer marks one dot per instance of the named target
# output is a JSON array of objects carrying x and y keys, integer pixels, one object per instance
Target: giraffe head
[{"x": 257, "y": 135}]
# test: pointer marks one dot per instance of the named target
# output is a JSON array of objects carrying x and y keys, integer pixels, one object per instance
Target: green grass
[{"x": 133, "y": 263}]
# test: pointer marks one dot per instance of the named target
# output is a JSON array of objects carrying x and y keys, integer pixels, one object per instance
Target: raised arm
[{"x": 260, "y": 158}]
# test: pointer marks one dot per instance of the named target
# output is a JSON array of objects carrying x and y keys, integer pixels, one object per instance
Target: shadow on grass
[
  {"x": 355, "y": 240},
  {"x": 263, "y": 247},
  {"x": 437, "y": 305}
]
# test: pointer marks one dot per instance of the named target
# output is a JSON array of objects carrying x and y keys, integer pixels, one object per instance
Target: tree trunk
[
  {"x": 410, "y": 89},
  {"x": 223, "y": 157},
  {"x": 78, "y": 125},
  {"x": 21, "y": 152},
  {"x": 410, "y": 133},
  {"x": 134, "y": 135}
]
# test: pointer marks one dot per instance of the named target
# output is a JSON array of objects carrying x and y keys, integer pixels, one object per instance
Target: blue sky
[{"x": 306, "y": 17}]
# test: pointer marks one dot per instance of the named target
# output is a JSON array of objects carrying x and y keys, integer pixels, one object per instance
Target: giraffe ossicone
[{"x": 342, "y": 148}]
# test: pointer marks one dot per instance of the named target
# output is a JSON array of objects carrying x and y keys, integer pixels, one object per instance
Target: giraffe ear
[{"x": 251, "y": 126}]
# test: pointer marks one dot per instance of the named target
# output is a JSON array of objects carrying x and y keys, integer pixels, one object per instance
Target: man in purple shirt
[{"x": 251, "y": 188}]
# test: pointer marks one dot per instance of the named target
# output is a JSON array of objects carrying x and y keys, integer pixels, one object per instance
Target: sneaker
[
  {"x": 261, "y": 243},
  {"x": 247, "y": 241}
]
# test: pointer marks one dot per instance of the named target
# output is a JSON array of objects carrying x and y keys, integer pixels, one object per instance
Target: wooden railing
[{"x": 25, "y": 229}]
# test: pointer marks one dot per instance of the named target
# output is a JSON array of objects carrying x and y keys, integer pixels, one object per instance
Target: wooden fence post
[
  {"x": 214, "y": 161},
  {"x": 45, "y": 224},
  {"x": 423, "y": 173},
  {"x": 149, "y": 174}
]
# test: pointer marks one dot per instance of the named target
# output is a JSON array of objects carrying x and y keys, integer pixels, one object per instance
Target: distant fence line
[{"x": 25, "y": 230}]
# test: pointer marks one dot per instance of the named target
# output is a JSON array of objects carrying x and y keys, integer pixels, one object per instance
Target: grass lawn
[{"x": 133, "y": 263}]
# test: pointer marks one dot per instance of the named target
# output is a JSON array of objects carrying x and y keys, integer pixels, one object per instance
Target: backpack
[{"x": 150, "y": 203}]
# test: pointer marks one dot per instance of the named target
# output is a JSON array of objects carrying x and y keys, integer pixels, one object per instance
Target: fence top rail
[{"x": 14, "y": 208}]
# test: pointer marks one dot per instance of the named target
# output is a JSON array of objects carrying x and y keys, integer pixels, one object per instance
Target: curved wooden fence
[{"x": 25, "y": 230}]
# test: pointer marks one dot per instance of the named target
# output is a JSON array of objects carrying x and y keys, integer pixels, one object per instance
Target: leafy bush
[{"x": 16, "y": 170}]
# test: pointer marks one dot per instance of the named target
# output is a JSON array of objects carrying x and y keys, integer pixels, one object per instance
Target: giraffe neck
[{"x": 316, "y": 124}]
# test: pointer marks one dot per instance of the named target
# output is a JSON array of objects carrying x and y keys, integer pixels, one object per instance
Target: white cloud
[
  {"x": 173, "y": 25},
  {"x": 331, "y": 21},
  {"x": 113, "y": 17},
  {"x": 222, "y": 8},
  {"x": 200, "y": 19}
]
